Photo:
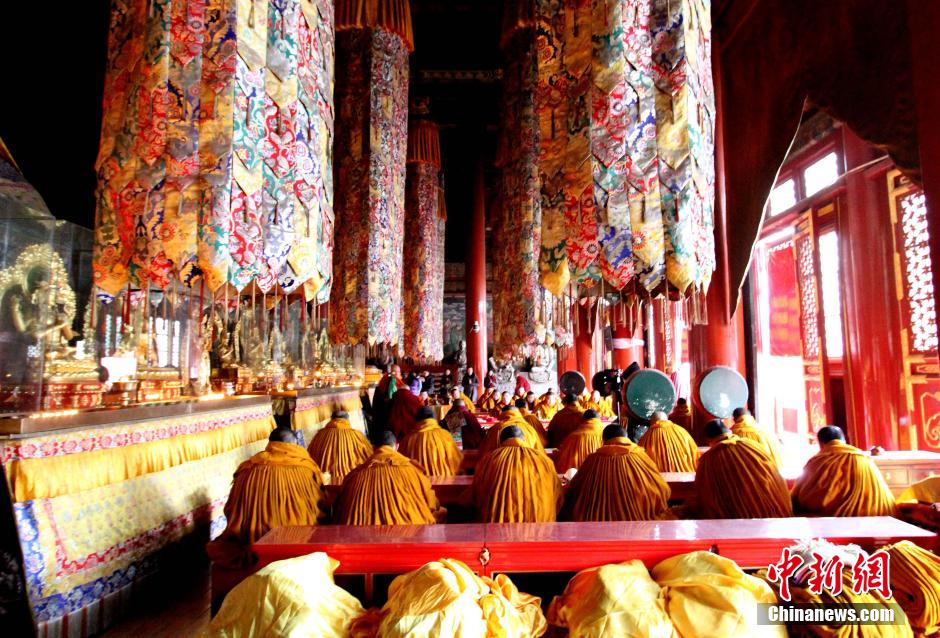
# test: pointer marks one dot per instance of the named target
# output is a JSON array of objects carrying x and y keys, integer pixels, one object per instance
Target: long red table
[{"x": 563, "y": 547}]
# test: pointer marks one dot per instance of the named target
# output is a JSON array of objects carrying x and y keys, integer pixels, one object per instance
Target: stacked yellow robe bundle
[
  {"x": 433, "y": 448},
  {"x": 924, "y": 491},
  {"x": 737, "y": 479},
  {"x": 708, "y": 595},
  {"x": 278, "y": 486},
  {"x": 915, "y": 583},
  {"x": 512, "y": 417},
  {"x": 612, "y": 601},
  {"x": 578, "y": 445},
  {"x": 670, "y": 446},
  {"x": 445, "y": 598},
  {"x": 841, "y": 480},
  {"x": 388, "y": 489},
  {"x": 338, "y": 448},
  {"x": 563, "y": 423},
  {"x": 746, "y": 428},
  {"x": 294, "y": 597},
  {"x": 618, "y": 482},
  {"x": 516, "y": 484}
]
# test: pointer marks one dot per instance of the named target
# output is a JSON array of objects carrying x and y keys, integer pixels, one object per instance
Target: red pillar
[
  {"x": 476, "y": 277},
  {"x": 584, "y": 344},
  {"x": 627, "y": 343}
]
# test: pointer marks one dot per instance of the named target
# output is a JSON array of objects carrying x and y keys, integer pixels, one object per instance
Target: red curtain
[{"x": 784, "y": 303}]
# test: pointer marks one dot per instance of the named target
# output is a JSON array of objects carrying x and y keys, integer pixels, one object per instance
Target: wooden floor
[{"x": 177, "y": 609}]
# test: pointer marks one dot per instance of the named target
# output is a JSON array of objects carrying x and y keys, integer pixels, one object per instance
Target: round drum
[
  {"x": 721, "y": 390},
  {"x": 572, "y": 382},
  {"x": 647, "y": 391}
]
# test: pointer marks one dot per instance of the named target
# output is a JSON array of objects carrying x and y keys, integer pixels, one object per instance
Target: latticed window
[
  {"x": 809, "y": 309},
  {"x": 918, "y": 274}
]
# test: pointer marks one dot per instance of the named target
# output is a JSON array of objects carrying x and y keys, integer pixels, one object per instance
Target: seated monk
[
  {"x": 506, "y": 399},
  {"x": 746, "y": 427},
  {"x": 510, "y": 415},
  {"x": 670, "y": 446},
  {"x": 737, "y": 479},
  {"x": 565, "y": 421},
  {"x": 516, "y": 483},
  {"x": 388, "y": 489},
  {"x": 618, "y": 482},
  {"x": 457, "y": 393},
  {"x": 682, "y": 415},
  {"x": 531, "y": 419},
  {"x": 431, "y": 446},
  {"x": 841, "y": 480},
  {"x": 338, "y": 447},
  {"x": 582, "y": 442},
  {"x": 584, "y": 400},
  {"x": 402, "y": 411},
  {"x": 276, "y": 487},
  {"x": 605, "y": 405},
  {"x": 547, "y": 405},
  {"x": 487, "y": 400},
  {"x": 460, "y": 419}
]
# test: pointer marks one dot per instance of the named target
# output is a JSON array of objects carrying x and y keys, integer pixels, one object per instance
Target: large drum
[
  {"x": 648, "y": 391},
  {"x": 572, "y": 382},
  {"x": 719, "y": 391}
]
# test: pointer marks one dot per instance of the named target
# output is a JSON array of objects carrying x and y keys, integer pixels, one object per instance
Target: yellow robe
[
  {"x": 578, "y": 445},
  {"x": 516, "y": 484},
  {"x": 293, "y": 597},
  {"x": 670, "y": 446},
  {"x": 545, "y": 410},
  {"x": 737, "y": 479},
  {"x": 491, "y": 439},
  {"x": 388, "y": 489},
  {"x": 445, "y": 598},
  {"x": 487, "y": 402},
  {"x": 612, "y": 601},
  {"x": 746, "y": 428},
  {"x": 619, "y": 482},
  {"x": 468, "y": 402},
  {"x": 338, "y": 448},
  {"x": 433, "y": 448},
  {"x": 915, "y": 583},
  {"x": 536, "y": 424},
  {"x": 563, "y": 423},
  {"x": 841, "y": 480},
  {"x": 605, "y": 408}
]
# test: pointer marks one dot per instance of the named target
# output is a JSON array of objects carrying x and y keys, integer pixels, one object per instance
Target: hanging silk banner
[
  {"x": 517, "y": 222},
  {"x": 372, "y": 46},
  {"x": 423, "y": 260},
  {"x": 216, "y": 144}
]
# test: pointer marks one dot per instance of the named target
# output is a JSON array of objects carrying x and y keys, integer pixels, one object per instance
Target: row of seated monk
[{"x": 516, "y": 482}]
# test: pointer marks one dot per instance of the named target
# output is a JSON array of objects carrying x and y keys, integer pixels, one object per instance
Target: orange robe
[
  {"x": 618, "y": 482},
  {"x": 605, "y": 408},
  {"x": 746, "y": 428},
  {"x": 563, "y": 423},
  {"x": 388, "y": 489},
  {"x": 516, "y": 484},
  {"x": 338, "y": 448},
  {"x": 536, "y": 424},
  {"x": 468, "y": 402},
  {"x": 433, "y": 448},
  {"x": 737, "y": 479},
  {"x": 670, "y": 446},
  {"x": 841, "y": 480},
  {"x": 578, "y": 445},
  {"x": 279, "y": 486},
  {"x": 544, "y": 409},
  {"x": 491, "y": 439},
  {"x": 487, "y": 402},
  {"x": 682, "y": 416}
]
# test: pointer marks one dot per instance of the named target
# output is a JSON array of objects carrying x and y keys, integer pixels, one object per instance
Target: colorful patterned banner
[
  {"x": 216, "y": 145},
  {"x": 423, "y": 274}
]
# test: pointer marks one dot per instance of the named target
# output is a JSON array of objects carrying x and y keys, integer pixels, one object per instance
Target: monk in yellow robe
[
  {"x": 338, "y": 447},
  {"x": 523, "y": 406},
  {"x": 682, "y": 415},
  {"x": 431, "y": 446},
  {"x": 581, "y": 443},
  {"x": 746, "y": 427},
  {"x": 516, "y": 483},
  {"x": 841, "y": 480},
  {"x": 618, "y": 482},
  {"x": 669, "y": 445},
  {"x": 487, "y": 400},
  {"x": 565, "y": 421},
  {"x": 510, "y": 415},
  {"x": 585, "y": 402},
  {"x": 547, "y": 405},
  {"x": 388, "y": 489},
  {"x": 457, "y": 393},
  {"x": 279, "y": 486},
  {"x": 737, "y": 479},
  {"x": 605, "y": 405}
]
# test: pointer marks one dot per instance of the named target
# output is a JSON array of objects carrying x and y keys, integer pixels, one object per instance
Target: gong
[
  {"x": 572, "y": 382},
  {"x": 720, "y": 390},
  {"x": 648, "y": 391}
]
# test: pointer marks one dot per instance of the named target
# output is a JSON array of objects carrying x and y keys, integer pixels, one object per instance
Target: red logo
[{"x": 869, "y": 573}]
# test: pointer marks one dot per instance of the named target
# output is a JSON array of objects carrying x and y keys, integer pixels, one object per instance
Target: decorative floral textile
[
  {"x": 366, "y": 302},
  {"x": 213, "y": 110}
]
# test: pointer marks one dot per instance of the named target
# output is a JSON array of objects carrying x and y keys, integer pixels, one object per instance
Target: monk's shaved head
[
  {"x": 341, "y": 414},
  {"x": 715, "y": 428},
  {"x": 424, "y": 413},
  {"x": 739, "y": 412},
  {"x": 589, "y": 414},
  {"x": 613, "y": 431},
  {"x": 520, "y": 403},
  {"x": 507, "y": 408},
  {"x": 658, "y": 415},
  {"x": 569, "y": 399},
  {"x": 282, "y": 435},
  {"x": 681, "y": 401},
  {"x": 830, "y": 433},
  {"x": 459, "y": 403},
  {"x": 388, "y": 438},
  {"x": 511, "y": 432}
]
